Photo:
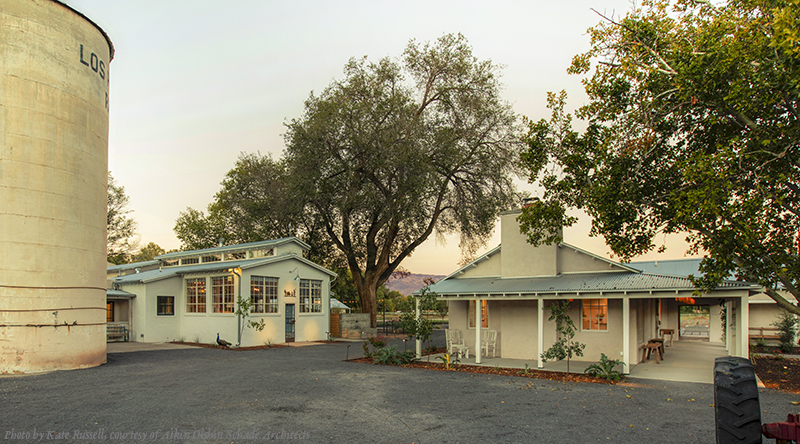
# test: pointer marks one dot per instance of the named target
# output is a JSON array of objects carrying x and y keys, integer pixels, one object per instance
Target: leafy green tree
[
  {"x": 398, "y": 150},
  {"x": 565, "y": 346},
  {"x": 121, "y": 228},
  {"x": 787, "y": 331},
  {"x": 692, "y": 126},
  {"x": 148, "y": 252},
  {"x": 196, "y": 231}
]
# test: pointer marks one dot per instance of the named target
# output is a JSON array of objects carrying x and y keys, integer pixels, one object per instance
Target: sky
[{"x": 196, "y": 83}]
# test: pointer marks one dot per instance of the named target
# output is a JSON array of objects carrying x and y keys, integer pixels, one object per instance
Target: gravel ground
[{"x": 311, "y": 394}]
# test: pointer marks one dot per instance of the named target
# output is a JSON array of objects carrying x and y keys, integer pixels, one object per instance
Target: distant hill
[{"x": 412, "y": 283}]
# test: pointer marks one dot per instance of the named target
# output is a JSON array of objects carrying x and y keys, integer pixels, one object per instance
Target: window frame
[
  {"x": 200, "y": 292},
  {"x": 484, "y": 314},
  {"x": 269, "y": 302},
  {"x": 601, "y": 319},
  {"x": 223, "y": 296},
  {"x": 160, "y": 305},
  {"x": 309, "y": 302}
]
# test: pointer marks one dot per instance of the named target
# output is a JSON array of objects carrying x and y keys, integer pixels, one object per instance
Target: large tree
[
  {"x": 692, "y": 127},
  {"x": 380, "y": 160},
  {"x": 254, "y": 204},
  {"x": 400, "y": 149},
  {"x": 121, "y": 228}
]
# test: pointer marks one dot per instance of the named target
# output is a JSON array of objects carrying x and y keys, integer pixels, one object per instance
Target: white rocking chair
[
  {"x": 489, "y": 341},
  {"x": 455, "y": 343}
]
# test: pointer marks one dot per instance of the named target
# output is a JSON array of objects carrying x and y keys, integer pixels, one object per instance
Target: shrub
[
  {"x": 787, "y": 329},
  {"x": 605, "y": 369},
  {"x": 377, "y": 344},
  {"x": 390, "y": 355}
]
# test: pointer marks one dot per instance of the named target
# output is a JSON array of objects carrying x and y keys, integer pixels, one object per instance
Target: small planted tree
[
  {"x": 420, "y": 328},
  {"x": 787, "y": 330},
  {"x": 565, "y": 346},
  {"x": 243, "y": 306}
]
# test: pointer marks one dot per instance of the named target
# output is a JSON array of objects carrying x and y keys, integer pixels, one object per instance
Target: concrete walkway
[
  {"x": 685, "y": 361},
  {"x": 127, "y": 347}
]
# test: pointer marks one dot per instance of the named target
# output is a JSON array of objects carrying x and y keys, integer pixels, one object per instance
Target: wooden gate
[{"x": 336, "y": 329}]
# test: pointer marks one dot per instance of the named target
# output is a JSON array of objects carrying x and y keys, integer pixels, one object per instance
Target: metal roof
[
  {"x": 132, "y": 266},
  {"x": 211, "y": 267},
  {"x": 234, "y": 248},
  {"x": 675, "y": 267},
  {"x": 119, "y": 294},
  {"x": 574, "y": 283}
]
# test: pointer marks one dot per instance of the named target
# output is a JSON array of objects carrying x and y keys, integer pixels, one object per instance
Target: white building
[
  {"x": 617, "y": 307},
  {"x": 191, "y": 295}
]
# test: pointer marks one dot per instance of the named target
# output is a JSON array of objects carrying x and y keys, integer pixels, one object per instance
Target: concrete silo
[{"x": 54, "y": 78}]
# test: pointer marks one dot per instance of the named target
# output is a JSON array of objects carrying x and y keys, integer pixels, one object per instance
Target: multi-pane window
[
  {"x": 165, "y": 305},
  {"x": 212, "y": 258},
  {"x": 196, "y": 295},
  {"x": 264, "y": 294},
  {"x": 190, "y": 260},
  {"x": 310, "y": 296},
  {"x": 595, "y": 314},
  {"x": 484, "y": 314},
  {"x": 222, "y": 294},
  {"x": 261, "y": 253},
  {"x": 170, "y": 262}
]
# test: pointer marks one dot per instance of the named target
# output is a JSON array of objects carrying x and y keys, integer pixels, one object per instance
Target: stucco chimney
[{"x": 520, "y": 258}]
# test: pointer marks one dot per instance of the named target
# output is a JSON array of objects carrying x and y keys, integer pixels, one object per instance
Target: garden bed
[
  {"x": 501, "y": 371},
  {"x": 778, "y": 373}
]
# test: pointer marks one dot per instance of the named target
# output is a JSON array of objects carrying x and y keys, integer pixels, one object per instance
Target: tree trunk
[
  {"x": 367, "y": 288},
  {"x": 368, "y": 294}
]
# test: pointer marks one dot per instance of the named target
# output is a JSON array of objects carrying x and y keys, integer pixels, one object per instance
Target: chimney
[
  {"x": 528, "y": 201},
  {"x": 221, "y": 242},
  {"x": 518, "y": 257}
]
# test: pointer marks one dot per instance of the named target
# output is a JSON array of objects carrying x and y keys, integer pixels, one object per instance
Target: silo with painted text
[{"x": 54, "y": 80}]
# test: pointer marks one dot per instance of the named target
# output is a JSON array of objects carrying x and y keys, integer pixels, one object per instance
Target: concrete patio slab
[{"x": 685, "y": 361}]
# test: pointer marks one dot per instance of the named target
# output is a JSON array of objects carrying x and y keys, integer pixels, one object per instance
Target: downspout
[{"x": 238, "y": 315}]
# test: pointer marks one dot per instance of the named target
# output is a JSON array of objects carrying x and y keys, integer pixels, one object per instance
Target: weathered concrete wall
[
  {"x": 53, "y": 173},
  {"x": 356, "y": 326}
]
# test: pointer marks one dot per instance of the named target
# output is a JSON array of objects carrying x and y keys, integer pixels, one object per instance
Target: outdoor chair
[
  {"x": 489, "y": 341},
  {"x": 455, "y": 343}
]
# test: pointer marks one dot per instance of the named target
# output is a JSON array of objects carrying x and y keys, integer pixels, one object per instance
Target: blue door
[{"x": 289, "y": 322}]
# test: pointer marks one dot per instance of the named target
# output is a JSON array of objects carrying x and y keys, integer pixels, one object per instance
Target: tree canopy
[
  {"x": 148, "y": 252},
  {"x": 692, "y": 127},
  {"x": 380, "y": 160},
  {"x": 120, "y": 227}
]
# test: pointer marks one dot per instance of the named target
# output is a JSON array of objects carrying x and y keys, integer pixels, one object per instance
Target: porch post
[
  {"x": 478, "y": 321},
  {"x": 626, "y": 334},
  {"x": 418, "y": 341},
  {"x": 728, "y": 326},
  {"x": 540, "y": 332},
  {"x": 743, "y": 333}
]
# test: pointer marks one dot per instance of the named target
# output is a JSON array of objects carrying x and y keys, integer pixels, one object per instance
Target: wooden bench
[
  {"x": 764, "y": 333},
  {"x": 116, "y": 332}
]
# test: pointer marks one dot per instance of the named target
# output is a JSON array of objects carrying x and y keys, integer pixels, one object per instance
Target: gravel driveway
[{"x": 310, "y": 394}]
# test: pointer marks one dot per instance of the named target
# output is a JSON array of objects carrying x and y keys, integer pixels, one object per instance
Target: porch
[{"x": 685, "y": 361}]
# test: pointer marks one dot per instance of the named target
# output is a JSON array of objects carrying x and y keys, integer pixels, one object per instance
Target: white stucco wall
[
  {"x": 488, "y": 267},
  {"x": 147, "y": 326}
]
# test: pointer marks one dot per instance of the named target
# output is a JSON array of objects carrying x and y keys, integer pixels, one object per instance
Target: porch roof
[
  {"x": 112, "y": 293},
  {"x": 620, "y": 282}
]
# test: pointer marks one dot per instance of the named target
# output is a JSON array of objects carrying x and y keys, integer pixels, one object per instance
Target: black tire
[{"x": 736, "y": 408}]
